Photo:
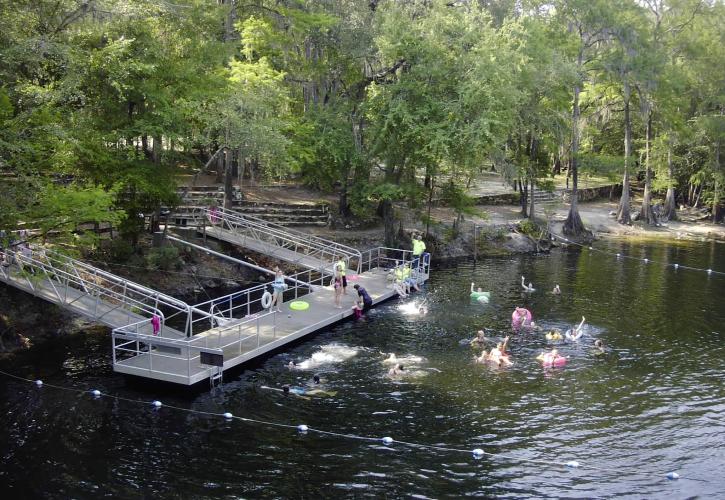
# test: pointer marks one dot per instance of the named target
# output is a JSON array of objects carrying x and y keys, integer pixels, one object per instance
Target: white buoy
[
  {"x": 646, "y": 261},
  {"x": 573, "y": 464},
  {"x": 302, "y": 428},
  {"x": 591, "y": 248},
  {"x": 709, "y": 271},
  {"x": 387, "y": 440},
  {"x": 673, "y": 476},
  {"x": 96, "y": 393},
  {"x": 677, "y": 266},
  {"x": 39, "y": 383},
  {"x": 618, "y": 255},
  {"x": 157, "y": 403},
  {"x": 228, "y": 416},
  {"x": 477, "y": 453}
]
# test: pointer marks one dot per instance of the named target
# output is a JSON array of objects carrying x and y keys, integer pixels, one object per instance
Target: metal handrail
[
  {"x": 281, "y": 236},
  {"x": 64, "y": 273}
]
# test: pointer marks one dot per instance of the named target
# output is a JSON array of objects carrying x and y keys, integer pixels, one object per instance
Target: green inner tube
[
  {"x": 299, "y": 305},
  {"x": 478, "y": 295}
]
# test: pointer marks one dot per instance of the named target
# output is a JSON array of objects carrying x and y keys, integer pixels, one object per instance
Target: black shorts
[
  {"x": 367, "y": 305},
  {"x": 344, "y": 282}
]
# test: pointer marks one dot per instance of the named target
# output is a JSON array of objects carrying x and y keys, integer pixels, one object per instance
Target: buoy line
[
  {"x": 644, "y": 260},
  {"x": 388, "y": 441}
]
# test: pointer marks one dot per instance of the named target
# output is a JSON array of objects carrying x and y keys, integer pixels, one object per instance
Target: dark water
[{"x": 653, "y": 403}]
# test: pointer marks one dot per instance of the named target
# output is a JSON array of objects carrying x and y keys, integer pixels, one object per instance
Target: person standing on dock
[
  {"x": 343, "y": 268},
  {"x": 278, "y": 286},
  {"x": 337, "y": 281},
  {"x": 418, "y": 249}
]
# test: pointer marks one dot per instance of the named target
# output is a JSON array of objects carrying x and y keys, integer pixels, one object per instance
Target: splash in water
[{"x": 328, "y": 355}]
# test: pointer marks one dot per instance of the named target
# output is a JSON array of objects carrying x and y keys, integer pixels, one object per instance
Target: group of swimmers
[{"x": 521, "y": 319}]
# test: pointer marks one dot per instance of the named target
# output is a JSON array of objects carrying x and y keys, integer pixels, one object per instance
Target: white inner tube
[{"x": 266, "y": 300}]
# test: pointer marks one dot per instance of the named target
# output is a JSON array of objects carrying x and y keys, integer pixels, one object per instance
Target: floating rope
[
  {"x": 644, "y": 260},
  {"x": 387, "y": 441}
]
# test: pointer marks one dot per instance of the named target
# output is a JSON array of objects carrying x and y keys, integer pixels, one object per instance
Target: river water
[{"x": 653, "y": 403}]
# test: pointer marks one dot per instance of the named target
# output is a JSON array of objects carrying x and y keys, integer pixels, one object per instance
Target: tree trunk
[
  {"x": 388, "y": 214},
  {"x": 624, "y": 215},
  {"x": 573, "y": 225},
  {"x": 670, "y": 209},
  {"x": 344, "y": 203},
  {"x": 647, "y": 213},
  {"x": 716, "y": 195},
  {"x": 220, "y": 168},
  {"x": 430, "y": 203},
  {"x": 228, "y": 179},
  {"x": 531, "y": 196},
  {"x": 716, "y": 215},
  {"x": 156, "y": 151},
  {"x": 524, "y": 188}
]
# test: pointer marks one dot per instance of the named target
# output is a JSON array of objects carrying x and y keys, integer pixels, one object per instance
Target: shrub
[
  {"x": 164, "y": 258},
  {"x": 121, "y": 250}
]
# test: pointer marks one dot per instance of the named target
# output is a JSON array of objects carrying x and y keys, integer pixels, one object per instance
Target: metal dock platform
[{"x": 193, "y": 343}]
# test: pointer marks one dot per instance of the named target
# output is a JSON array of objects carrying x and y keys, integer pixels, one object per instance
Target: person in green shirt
[{"x": 418, "y": 249}]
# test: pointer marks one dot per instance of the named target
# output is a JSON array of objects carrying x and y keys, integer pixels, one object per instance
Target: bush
[
  {"x": 529, "y": 228},
  {"x": 164, "y": 258},
  {"x": 121, "y": 250}
]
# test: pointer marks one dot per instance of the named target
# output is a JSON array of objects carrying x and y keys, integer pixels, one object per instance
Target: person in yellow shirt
[{"x": 418, "y": 249}]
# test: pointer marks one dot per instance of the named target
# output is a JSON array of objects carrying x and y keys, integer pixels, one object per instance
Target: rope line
[
  {"x": 387, "y": 441},
  {"x": 645, "y": 260}
]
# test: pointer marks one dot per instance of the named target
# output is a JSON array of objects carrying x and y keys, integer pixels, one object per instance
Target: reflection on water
[{"x": 651, "y": 402}]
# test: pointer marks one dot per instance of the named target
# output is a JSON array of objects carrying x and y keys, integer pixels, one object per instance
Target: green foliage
[
  {"x": 120, "y": 250},
  {"x": 164, "y": 258},
  {"x": 103, "y": 103},
  {"x": 454, "y": 196},
  {"x": 529, "y": 228}
]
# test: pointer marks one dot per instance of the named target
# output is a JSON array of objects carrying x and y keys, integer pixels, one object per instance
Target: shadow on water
[{"x": 650, "y": 404}]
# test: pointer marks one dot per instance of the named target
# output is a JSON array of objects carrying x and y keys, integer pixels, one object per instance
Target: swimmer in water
[
  {"x": 556, "y": 290},
  {"x": 478, "y": 290},
  {"x": 479, "y": 339},
  {"x": 576, "y": 332},
  {"x": 291, "y": 365},
  {"x": 395, "y": 371},
  {"x": 554, "y": 334},
  {"x": 304, "y": 392},
  {"x": 530, "y": 288},
  {"x": 599, "y": 347},
  {"x": 549, "y": 358},
  {"x": 498, "y": 355}
]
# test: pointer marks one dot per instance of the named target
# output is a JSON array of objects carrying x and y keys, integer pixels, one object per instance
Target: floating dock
[{"x": 162, "y": 338}]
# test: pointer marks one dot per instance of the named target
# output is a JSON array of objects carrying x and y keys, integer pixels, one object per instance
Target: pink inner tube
[
  {"x": 517, "y": 320},
  {"x": 353, "y": 277},
  {"x": 559, "y": 361}
]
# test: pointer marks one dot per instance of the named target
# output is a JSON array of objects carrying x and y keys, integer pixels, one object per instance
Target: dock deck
[{"x": 245, "y": 339}]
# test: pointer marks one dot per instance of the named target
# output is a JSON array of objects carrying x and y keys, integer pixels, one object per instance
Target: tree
[{"x": 588, "y": 22}]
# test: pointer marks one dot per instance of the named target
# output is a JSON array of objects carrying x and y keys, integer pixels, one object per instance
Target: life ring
[
  {"x": 518, "y": 321},
  {"x": 266, "y": 300},
  {"x": 299, "y": 305},
  {"x": 573, "y": 335},
  {"x": 553, "y": 336},
  {"x": 547, "y": 360}
]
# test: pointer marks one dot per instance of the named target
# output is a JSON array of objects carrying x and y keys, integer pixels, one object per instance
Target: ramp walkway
[
  {"x": 95, "y": 293},
  {"x": 296, "y": 247}
]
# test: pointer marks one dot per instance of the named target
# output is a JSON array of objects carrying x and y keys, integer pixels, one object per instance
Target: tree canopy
[{"x": 104, "y": 103}]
